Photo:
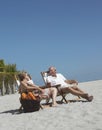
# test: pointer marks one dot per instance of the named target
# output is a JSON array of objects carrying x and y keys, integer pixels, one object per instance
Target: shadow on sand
[
  {"x": 13, "y": 112},
  {"x": 48, "y": 105}
]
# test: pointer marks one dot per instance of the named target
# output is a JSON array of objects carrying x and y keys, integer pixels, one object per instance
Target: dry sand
[{"x": 71, "y": 116}]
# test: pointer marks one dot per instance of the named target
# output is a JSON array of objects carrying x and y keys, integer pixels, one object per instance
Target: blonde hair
[{"x": 21, "y": 76}]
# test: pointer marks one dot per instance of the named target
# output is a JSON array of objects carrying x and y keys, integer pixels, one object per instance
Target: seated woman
[{"x": 26, "y": 85}]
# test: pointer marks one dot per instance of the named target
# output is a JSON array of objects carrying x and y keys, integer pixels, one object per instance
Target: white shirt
[{"x": 59, "y": 79}]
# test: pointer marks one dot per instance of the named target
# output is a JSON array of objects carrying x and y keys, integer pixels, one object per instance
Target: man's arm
[
  {"x": 48, "y": 84},
  {"x": 71, "y": 82}
]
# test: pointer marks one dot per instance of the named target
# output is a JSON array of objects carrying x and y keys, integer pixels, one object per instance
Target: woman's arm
[{"x": 31, "y": 86}]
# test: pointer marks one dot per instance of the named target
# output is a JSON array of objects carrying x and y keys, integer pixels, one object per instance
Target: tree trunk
[
  {"x": 3, "y": 88},
  {"x": 13, "y": 89}
]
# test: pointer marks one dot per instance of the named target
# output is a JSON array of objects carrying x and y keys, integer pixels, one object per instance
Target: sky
[{"x": 67, "y": 34}]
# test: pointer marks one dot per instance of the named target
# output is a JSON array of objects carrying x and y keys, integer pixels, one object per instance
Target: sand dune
[{"x": 71, "y": 116}]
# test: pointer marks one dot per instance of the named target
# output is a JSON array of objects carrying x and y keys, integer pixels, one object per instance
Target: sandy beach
[{"x": 72, "y": 116}]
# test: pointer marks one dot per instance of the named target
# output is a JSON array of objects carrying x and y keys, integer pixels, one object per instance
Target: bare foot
[{"x": 54, "y": 105}]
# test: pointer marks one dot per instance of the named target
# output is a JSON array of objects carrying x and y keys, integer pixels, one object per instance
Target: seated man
[
  {"x": 25, "y": 86},
  {"x": 57, "y": 78}
]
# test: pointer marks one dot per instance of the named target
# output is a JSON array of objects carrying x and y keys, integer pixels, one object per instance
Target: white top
[
  {"x": 59, "y": 79},
  {"x": 30, "y": 82}
]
